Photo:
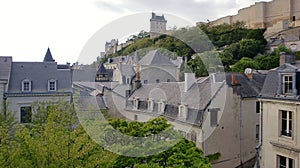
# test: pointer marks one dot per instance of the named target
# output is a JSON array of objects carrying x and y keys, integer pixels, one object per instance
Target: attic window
[
  {"x": 26, "y": 85},
  {"x": 287, "y": 81},
  {"x": 136, "y": 102},
  {"x": 161, "y": 106},
  {"x": 150, "y": 105},
  {"x": 52, "y": 85},
  {"x": 182, "y": 111},
  {"x": 294, "y": 18}
]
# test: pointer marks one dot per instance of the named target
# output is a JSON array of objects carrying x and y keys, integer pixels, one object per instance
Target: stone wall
[{"x": 276, "y": 15}]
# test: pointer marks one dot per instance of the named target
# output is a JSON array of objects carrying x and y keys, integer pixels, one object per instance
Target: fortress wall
[
  {"x": 253, "y": 16},
  {"x": 222, "y": 20},
  {"x": 296, "y": 9},
  {"x": 276, "y": 11}
]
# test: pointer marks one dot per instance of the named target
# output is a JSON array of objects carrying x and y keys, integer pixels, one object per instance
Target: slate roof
[
  {"x": 127, "y": 70},
  {"x": 197, "y": 97},
  {"x": 249, "y": 87},
  {"x": 5, "y": 67},
  {"x": 101, "y": 69},
  {"x": 156, "y": 58},
  {"x": 85, "y": 74},
  {"x": 48, "y": 56},
  {"x": 271, "y": 84},
  {"x": 39, "y": 73}
]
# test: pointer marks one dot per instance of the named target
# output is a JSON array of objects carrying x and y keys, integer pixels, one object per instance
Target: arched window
[
  {"x": 182, "y": 111},
  {"x": 52, "y": 85},
  {"x": 150, "y": 105},
  {"x": 161, "y": 106},
  {"x": 26, "y": 85}
]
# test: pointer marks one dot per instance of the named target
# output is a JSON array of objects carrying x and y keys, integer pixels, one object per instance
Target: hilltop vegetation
[{"x": 238, "y": 47}]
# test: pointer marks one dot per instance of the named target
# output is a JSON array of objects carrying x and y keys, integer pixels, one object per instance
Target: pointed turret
[
  {"x": 102, "y": 74},
  {"x": 48, "y": 57}
]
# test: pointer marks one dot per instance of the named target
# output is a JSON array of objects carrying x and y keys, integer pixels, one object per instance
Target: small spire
[
  {"x": 48, "y": 57},
  {"x": 101, "y": 69}
]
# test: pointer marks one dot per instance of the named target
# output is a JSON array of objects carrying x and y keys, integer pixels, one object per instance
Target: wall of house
[
  {"x": 271, "y": 133},
  {"x": 15, "y": 103},
  {"x": 2, "y": 86},
  {"x": 229, "y": 138}
]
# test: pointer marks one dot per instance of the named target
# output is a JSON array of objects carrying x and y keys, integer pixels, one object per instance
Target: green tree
[{"x": 244, "y": 63}]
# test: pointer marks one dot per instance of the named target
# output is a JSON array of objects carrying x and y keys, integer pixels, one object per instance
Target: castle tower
[{"x": 158, "y": 25}]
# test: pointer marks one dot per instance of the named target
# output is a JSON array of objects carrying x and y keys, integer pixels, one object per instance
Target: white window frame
[
  {"x": 150, "y": 105},
  {"x": 136, "y": 102},
  {"x": 50, "y": 87},
  {"x": 161, "y": 106},
  {"x": 182, "y": 111},
  {"x": 289, "y": 82},
  {"x": 287, "y": 165},
  {"x": 289, "y": 116},
  {"x": 23, "y": 85}
]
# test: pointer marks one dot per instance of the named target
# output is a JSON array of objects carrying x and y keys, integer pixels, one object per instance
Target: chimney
[
  {"x": 137, "y": 83},
  {"x": 233, "y": 81},
  {"x": 189, "y": 80},
  {"x": 287, "y": 58}
]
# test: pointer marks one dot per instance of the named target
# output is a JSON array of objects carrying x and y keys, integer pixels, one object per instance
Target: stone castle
[{"x": 276, "y": 15}]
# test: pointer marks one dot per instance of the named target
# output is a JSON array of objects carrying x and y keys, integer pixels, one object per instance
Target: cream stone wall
[
  {"x": 266, "y": 15},
  {"x": 15, "y": 103},
  {"x": 271, "y": 133}
]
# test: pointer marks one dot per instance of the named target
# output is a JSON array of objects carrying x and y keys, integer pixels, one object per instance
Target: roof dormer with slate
[{"x": 283, "y": 82}]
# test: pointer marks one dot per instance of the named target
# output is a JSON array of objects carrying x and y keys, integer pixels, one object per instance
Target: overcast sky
[{"x": 28, "y": 27}]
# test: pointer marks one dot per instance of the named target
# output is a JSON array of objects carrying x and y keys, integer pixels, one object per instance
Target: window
[
  {"x": 284, "y": 162},
  {"x": 26, "y": 114},
  {"x": 168, "y": 80},
  {"x": 182, "y": 111},
  {"x": 128, "y": 92},
  {"x": 257, "y": 107},
  {"x": 294, "y": 18},
  {"x": 52, "y": 85},
  {"x": 257, "y": 132},
  {"x": 26, "y": 85},
  {"x": 150, "y": 105},
  {"x": 213, "y": 117},
  {"x": 135, "y": 117},
  {"x": 286, "y": 123},
  {"x": 157, "y": 80},
  {"x": 287, "y": 84},
  {"x": 127, "y": 81},
  {"x": 161, "y": 106},
  {"x": 136, "y": 103},
  {"x": 145, "y": 81}
]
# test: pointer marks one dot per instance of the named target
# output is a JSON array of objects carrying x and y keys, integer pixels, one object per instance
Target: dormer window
[
  {"x": 287, "y": 87},
  {"x": 182, "y": 111},
  {"x": 161, "y": 106},
  {"x": 136, "y": 102},
  {"x": 26, "y": 85},
  {"x": 150, "y": 105},
  {"x": 52, "y": 85}
]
